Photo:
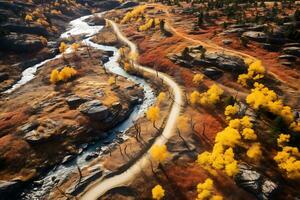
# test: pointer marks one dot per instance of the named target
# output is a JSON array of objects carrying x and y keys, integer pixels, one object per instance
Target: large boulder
[
  {"x": 292, "y": 51},
  {"x": 103, "y": 5},
  {"x": 75, "y": 101},
  {"x": 256, "y": 183},
  {"x": 196, "y": 57},
  {"x": 287, "y": 57},
  {"x": 213, "y": 73},
  {"x": 96, "y": 21},
  {"x": 3, "y": 76},
  {"x": 95, "y": 110},
  {"x": 36, "y": 30},
  {"x": 224, "y": 62},
  {"x": 255, "y": 36},
  {"x": 128, "y": 4},
  {"x": 24, "y": 43},
  {"x": 8, "y": 189}
]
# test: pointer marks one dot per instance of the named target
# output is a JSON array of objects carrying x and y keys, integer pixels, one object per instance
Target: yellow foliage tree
[
  {"x": 205, "y": 191},
  {"x": 158, "y": 192},
  {"x": 288, "y": 161},
  {"x": 197, "y": 79},
  {"x": 161, "y": 97},
  {"x": 66, "y": 73},
  {"x": 153, "y": 114},
  {"x": 62, "y": 47},
  {"x": 54, "y": 77},
  {"x": 254, "y": 152},
  {"x": 255, "y": 71},
  {"x": 159, "y": 153},
  {"x": 28, "y": 18},
  {"x": 112, "y": 80}
]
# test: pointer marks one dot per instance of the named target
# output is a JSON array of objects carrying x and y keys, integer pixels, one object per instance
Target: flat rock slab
[{"x": 95, "y": 110}]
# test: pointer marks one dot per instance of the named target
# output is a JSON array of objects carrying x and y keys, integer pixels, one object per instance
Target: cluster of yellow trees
[
  {"x": 255, "y": 71},
  {"x": 263, "y": 97},
  {"x": 238, "y": 133},
  {"x": 150, "y": 23},
  {"x": 206, "y": 191},
  {"x": 158, "y": 153},
  {"x": 38, "y": 15},
  {"x": 64, "y": 75},
  {"x": 288, "y": 159},
  {"x": 208, "y": 98},
  {"x": 134, "y": 14}
]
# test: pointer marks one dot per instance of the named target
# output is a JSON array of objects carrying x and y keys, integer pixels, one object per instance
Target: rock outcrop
[
  {"x": 254, "y": 182},
  {"x": 196, "y": 57}
]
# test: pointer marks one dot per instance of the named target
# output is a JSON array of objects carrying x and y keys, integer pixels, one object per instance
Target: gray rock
[
  {"x": 91, "y": 156},
  {"x": 134, "y": 100},
  {"x": 213, "y": 72},
  {"x": 224, "y": 62},
  {"x": 227, "y": 42},
  {"x": 295, "y": 51},
  {"x": 255, "y": 36},
  {"x": 8, "y": 189},
  {"x": 67, "y": 159},
  {"x": 36, "y": 30},
  {"x": 21, "y": 43},
  {"x": 290, "y": 58},
  {"x": 235, "y": 30},
  {"x": 95, "y": 110},
  {"x": 3, "y": 76},
  {"x": 33, "y": 137},
  {"x": 128, "y": 4},
  {"x": 75, "y": 101},
  {"x": 29, "y": 127},
  {"x": 289, "y": 64},
  {"x": 270, "y": 47},
  {"x": 254, "y": 182},
  {"x": 96, "y": 21},
  {"x": 117, "y": 106},
  {"x": 104, "y": 59},
  {"x": 193, "y": 57},
  {"x": 292, "y": 44}
]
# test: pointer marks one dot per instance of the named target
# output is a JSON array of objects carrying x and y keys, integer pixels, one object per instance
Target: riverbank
[{"x": 40, "y": 115}]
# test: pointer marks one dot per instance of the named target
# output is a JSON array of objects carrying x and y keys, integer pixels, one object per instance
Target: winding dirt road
[{"x": 101, "y": 186}]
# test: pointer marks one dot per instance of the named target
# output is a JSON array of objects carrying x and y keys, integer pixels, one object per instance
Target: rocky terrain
[
  {"x": 29, "y": 31},
  {"x": 230, "y": 69}
]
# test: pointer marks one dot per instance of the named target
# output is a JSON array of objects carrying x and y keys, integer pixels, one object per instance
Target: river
[{"x": 78, "y": 27}]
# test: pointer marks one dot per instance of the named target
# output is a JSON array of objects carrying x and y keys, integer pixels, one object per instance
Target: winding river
[{"x": 78, "y": 27}]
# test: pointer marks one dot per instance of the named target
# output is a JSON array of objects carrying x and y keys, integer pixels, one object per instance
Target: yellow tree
[
  {"x": 28, "y": 18},
  {"x": 62, "y": 47},
  {"x": 197, "y": 79},
  {"x": 112, "y": 80},
  {"x": 161, "y": 97},
  {"x": 153, "y": 114},
  {"x": 159, "y": 153},
  {"x": 158, "y": 192},
  {"x": 54, "y": 77}
]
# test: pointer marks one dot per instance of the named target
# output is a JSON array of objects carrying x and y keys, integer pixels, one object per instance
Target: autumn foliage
[{"x": 64, "y": 75}]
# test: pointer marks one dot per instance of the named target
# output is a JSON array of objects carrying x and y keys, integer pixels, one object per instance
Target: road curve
[{"x": 100, "y": 187}]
